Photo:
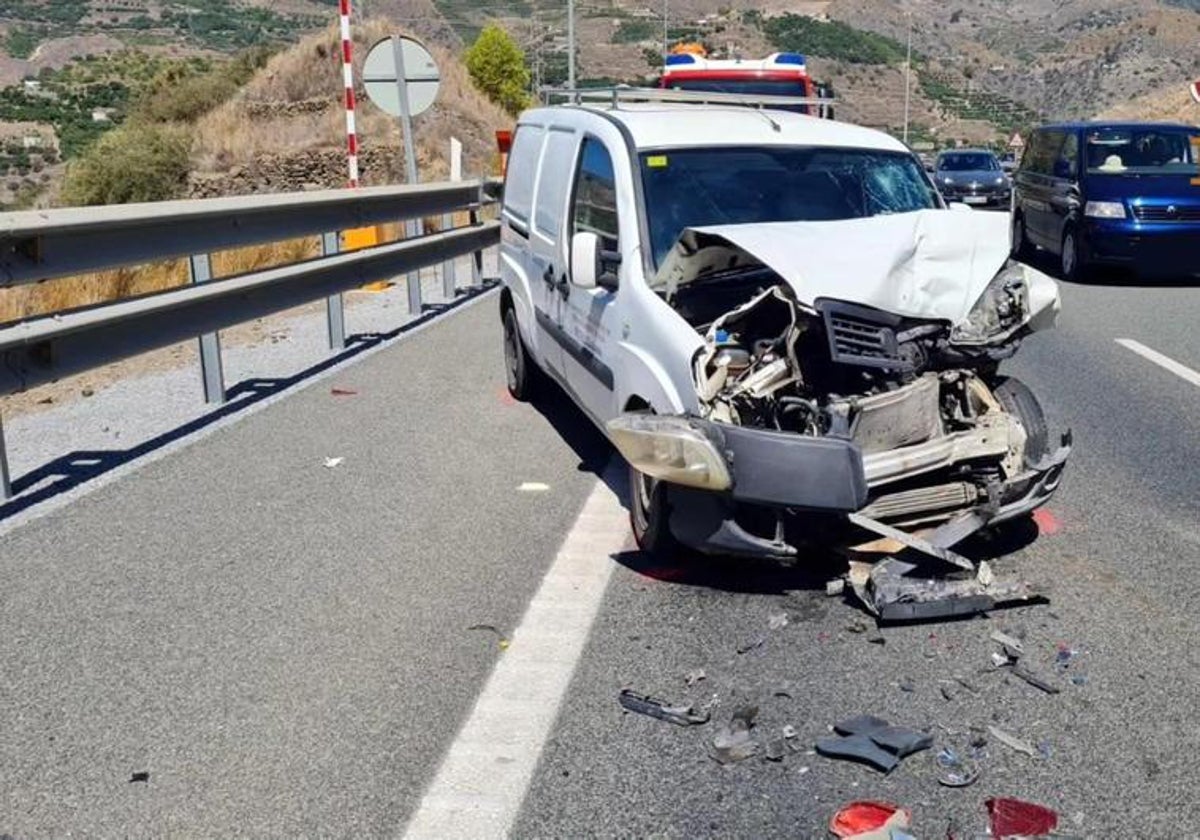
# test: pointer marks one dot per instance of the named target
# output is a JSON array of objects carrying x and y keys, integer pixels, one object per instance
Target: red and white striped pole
[{"x": 348, "y": 80}]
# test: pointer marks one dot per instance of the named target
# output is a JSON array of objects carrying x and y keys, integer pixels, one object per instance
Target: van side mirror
[{"x": 591, "y": 265}]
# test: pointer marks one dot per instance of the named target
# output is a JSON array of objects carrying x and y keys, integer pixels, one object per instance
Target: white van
[{"x": 776, "y": 321}]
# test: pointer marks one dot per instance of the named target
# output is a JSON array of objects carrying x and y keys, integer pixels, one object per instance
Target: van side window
[
  {"x": 552, "y": 185},
  {"x": 595, "y": 206},
  {"x": 1070, "y": 155},
  {"x": 519, "y": 177},
  {"x": 1044, "y": 151}
]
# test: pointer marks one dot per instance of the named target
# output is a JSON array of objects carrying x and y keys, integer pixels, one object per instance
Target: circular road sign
[{"x": 420, "y": 75}]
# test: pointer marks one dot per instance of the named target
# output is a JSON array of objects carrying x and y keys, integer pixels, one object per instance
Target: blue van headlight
[{"x": 1104, "y": 210}]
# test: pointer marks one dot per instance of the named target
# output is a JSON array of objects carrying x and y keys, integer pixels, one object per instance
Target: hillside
[{"x": 286, "y": 128}]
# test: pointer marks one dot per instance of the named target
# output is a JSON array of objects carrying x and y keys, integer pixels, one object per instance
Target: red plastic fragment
[
  {"x": 343, "y": 392},
  {"x": 1014, "y": 818},
  {"x": 858, "y": 817}
]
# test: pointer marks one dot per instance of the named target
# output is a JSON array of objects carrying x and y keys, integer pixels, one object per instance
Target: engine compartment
[{"x": 917, "y": 403}]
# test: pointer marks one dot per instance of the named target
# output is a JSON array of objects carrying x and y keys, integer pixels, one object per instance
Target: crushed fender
[{"x": 644, "y": 705}]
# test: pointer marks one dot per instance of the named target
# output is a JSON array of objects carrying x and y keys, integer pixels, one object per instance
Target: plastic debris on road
[
  {"x": 644, "y": 705},
  {"x": 1012, "y": 741},
  {"x": 501, "y": 643},
  {"x": 532, "y": 487},
  {"x": 874, "y": 741},
  {"x": 753, "y": 644},
  {"x": 870, "y": 821},
  {"x": 733, "y": 741},
  {"x": 343, "y": 392},
  {"x": 142, "y": 776},
  {"x": 889, "y": 590},
  {"x": 695, "y": 676},
  {"x": 955, "y": 769},
  {"x": 330, "y": 463},
  {"x": 1014, "y": 818},
  {"x": 777, "y": 621}
]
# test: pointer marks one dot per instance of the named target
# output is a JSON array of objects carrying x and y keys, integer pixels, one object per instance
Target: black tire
[
  {"x": 1072, "y": 260},
  {"x": 1017, "y": 399},
  {"x": 1022, "y": 250},
  {"x": 520, "y": 369},
  {"x": 649, "y": 516}
]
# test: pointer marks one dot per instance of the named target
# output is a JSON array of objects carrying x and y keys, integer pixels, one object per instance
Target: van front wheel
[
  {"x": 1072, "y": 263},
  {"x": 650, "y": 516}
]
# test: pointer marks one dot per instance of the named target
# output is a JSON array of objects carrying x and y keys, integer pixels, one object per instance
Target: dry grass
[{"x": 84, "y": 290}]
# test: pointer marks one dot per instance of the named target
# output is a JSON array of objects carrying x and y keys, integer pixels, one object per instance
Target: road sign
[
  {"x": 384, "y": 83},
  {"x": 1017, "y": 141}
]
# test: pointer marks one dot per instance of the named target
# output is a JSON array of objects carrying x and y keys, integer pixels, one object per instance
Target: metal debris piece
[
  {"x": 753, "y": 644},
  {"x": 947, "y": 694},
  {"x": 644, "y": 705},
  {"x": 909, "y": 540},
  {"x": 1013, "y": 646},
  {"x": 835, "y": 587},
  {"x": 1033, "y": 679},
  {"x": 888, "y": 590},
  {"x": 954, "y": 770},
  {"x": 1012, "y": 741},
  {"x": 789, "y": 732},
  {"x": 695, "y": 676},
  {"x": 967, "y": 684},
  {"x": 733, "y": 742},
  {"x": 777, "y": 621}
]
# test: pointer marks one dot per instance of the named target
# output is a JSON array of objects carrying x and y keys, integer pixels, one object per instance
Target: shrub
[
  {"x": 497, "y": 67},
  {"x": 136, "y": 162}
]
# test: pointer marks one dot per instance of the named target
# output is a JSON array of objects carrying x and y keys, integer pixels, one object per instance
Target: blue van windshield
[{"x": 1149, "y": 150}]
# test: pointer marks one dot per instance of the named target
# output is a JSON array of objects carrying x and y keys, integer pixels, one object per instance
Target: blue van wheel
[{"x": 1071, "y": 259}]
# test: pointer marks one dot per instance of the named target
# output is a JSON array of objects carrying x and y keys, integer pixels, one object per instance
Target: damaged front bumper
[{"x": 770, "y": 478}]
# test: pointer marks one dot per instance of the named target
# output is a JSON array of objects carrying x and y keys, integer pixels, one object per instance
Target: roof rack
[{"x": 622, "y": 93}]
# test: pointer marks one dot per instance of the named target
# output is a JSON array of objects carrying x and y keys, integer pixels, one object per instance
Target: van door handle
[
  {"x": 548, "y": 277},
  {"x": 564, "y": 287}
]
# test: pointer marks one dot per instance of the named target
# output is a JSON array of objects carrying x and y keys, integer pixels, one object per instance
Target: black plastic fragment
[
  {"x": 649, "y": 706},
  {"x": 857, "y": 748},
  {"x": 142, "y": 776}
]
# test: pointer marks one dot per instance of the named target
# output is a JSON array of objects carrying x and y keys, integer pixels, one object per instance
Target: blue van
[{"x": 1116, "y": 194}]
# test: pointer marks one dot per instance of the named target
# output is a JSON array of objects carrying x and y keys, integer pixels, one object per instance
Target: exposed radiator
[{"x": 922, "y": 500}]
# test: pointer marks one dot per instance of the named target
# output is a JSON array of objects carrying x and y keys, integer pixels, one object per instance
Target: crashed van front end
[{"x": 850, "y": 368}]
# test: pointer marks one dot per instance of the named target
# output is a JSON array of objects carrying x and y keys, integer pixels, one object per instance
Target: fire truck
[{"x": 688, "y": 67}]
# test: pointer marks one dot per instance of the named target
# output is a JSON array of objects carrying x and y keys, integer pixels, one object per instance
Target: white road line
[
  {"x": 482, "y": 781},
  {"x": 1182, "y": 371}
]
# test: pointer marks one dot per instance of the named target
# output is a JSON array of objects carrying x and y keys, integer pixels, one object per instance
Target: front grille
[
  {"x": 1163, "y": 213},
  {"x": 861, "y": 336}
]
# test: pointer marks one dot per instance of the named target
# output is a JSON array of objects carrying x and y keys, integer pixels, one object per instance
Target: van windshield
[
  {"x": 1152, "y": 150},
  {"x": 742, "y": 185}
]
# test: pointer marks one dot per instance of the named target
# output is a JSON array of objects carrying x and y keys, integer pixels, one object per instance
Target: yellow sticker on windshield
[{"x": 656, "y": 161}]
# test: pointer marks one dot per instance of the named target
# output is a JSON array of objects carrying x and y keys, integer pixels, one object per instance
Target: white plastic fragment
[
  {"x": 532, "y": 487},
  {"x": 330, "y": 463}
]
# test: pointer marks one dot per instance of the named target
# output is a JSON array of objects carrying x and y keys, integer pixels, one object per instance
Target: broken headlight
[
  {"x": 670, "y": 449},
  {"x": 1003, "y": 306}
]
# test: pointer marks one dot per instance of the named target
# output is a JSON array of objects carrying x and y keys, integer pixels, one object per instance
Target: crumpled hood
[{"x": 927, "y": 264}]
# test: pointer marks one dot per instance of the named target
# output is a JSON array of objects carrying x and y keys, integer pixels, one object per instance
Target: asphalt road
[{"x": 283, "y": 647}]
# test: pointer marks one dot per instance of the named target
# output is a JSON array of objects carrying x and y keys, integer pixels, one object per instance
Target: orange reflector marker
[
  {"x": 364, "y": 237},
  {"x": 504, "y": 144}
]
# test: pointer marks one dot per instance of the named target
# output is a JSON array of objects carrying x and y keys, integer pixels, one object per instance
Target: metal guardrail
[{"x": 41, "y": 245}]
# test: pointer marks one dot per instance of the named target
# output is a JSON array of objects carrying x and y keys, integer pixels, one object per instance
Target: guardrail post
[
  {"x": 335, "y": 313},
  {"x": 5, "y": 483},
  {"x": 414, "y": 228},
  {"x": 477, "y": 256},
  {"x": 200, "y": 271}
]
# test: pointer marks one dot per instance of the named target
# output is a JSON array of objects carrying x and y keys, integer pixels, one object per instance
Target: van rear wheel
[{"x": 1022, "y": 251}]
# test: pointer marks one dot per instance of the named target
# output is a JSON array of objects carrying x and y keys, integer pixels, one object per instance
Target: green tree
[
  {"x": 497, "y": 67},
  {"x": 136, "y": 162}
]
